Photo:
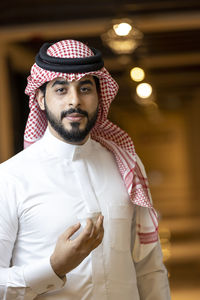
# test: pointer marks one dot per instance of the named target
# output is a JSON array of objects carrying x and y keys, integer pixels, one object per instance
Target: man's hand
[{"x": 68, "y": 254}]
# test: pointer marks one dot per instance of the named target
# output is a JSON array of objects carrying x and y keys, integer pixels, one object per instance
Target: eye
[
  {"x": 85, "y": 89},
  {"x": 61, "y": 90}
]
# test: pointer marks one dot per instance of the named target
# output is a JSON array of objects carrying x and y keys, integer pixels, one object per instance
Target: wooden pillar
[{"x": 6, "y": 125}]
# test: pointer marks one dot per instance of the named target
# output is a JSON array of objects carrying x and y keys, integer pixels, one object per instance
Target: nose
[{"x": 74, "y": 99}]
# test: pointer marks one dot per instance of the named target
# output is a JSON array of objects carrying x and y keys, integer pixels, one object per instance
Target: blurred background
[{"x": 152, "y": 49}]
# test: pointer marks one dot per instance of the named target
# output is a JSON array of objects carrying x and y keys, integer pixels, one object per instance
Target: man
[{"x": 76, "y": 219}]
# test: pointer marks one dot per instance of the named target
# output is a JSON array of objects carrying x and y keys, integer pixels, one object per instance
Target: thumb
[{"x": 70, "y": 231}]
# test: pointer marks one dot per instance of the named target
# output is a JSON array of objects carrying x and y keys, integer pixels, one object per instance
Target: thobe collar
[{"x": 59, "y": 148}]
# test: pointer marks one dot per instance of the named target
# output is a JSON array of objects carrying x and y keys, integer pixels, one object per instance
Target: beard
[{"x": 74, "y": 135}]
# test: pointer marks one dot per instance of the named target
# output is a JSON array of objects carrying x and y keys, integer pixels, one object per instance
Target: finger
[
  {"x": 89, "y": 228},
  {"x": 98, "y": 226},
  {"x": 100, "y": 235},
  {"x": 97, "y": 241},
  {"x": 70, "y": 231},
  {"x": 86, "y": 233},
  {"x": 99, "y": 222}
]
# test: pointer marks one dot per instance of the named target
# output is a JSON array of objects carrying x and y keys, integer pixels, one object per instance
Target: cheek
[
  {"x": 53, "y": 112},
  {"x": 54, "y": 106},
  {"x": 92, "y": 111},
  {"x": 93, "y": 105}
]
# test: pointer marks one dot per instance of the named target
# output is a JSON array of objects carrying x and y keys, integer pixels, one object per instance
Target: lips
[{"x": 75, "y": 117}]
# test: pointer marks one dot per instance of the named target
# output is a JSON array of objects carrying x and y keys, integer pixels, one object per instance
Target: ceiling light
[
  {"x": 137, "y": 74},
  {"x": 122, "y": 29},
  {"x": 122, "y": 37},
  {"x": 144, "y": 90}
]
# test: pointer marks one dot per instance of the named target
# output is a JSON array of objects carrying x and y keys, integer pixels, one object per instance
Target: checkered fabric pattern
[{"x": 105, "y": 132}]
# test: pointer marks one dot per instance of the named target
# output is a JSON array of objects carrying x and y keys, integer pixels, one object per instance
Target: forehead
[{"x": 84, "y": 78}]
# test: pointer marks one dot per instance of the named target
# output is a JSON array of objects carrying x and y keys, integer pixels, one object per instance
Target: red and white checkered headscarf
[{"x": 105, "y": 132}]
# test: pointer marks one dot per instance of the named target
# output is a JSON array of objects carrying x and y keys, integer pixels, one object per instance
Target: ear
[{"x": 40, "y": 99}]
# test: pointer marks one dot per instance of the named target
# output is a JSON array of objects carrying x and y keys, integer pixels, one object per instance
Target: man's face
[{"x": 71, "y": 108}]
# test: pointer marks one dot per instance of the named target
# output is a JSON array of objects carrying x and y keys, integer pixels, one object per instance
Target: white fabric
[{"x": 63, "y": 185}]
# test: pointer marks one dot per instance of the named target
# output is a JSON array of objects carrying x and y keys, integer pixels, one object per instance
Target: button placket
[{"x": 87, "y": 191}]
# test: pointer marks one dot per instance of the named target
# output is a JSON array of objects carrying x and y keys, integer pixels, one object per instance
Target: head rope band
[{"x": 69, "y": 65}]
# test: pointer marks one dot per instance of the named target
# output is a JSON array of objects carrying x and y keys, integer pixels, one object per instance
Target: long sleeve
[
  {"x": 19, "y": 282},
  {"x": 152, "y": 277}
]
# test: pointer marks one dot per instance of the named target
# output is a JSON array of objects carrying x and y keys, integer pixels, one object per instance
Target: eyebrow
[
  {"x": 87, "y": 81},
  {"x": 63, "y": 82}
]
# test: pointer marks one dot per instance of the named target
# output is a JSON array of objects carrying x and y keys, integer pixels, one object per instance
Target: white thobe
[{"x": 51, "y": 186}]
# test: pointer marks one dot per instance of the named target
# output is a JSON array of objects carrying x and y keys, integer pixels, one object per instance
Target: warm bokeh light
[
  {"x": 124, "y": 47},
  {"x": 137, "y": 74},
  {"x": 144, "y": 90},
  {"x": 122, "y": 29},
  {"x": 165, "y": 236}
]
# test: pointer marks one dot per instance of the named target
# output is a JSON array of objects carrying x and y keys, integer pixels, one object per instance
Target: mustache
[{"x": 72, "y": 111}]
